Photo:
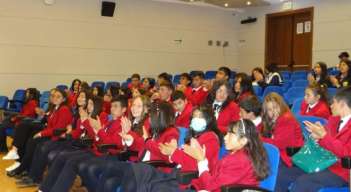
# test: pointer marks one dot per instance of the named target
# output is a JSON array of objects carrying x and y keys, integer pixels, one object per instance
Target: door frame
[{"x": 285, "y": 13}]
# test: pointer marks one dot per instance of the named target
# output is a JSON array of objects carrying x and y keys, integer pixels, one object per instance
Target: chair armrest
[
  {"x": 240, "y": 188},
  {"x": 159, "y": 163},
  {"x": 103, "y": 148},
  {"x": 125, "y": 155},
  {"x": 292, "y": 150},
  {"x": 185, "y": 178},
  {"x": 58, "y": 132},
  {"x": 346, "y": 162}
]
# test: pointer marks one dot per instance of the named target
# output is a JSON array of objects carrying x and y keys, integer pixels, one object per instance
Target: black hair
[
  {"x": 200, "y": 74},
  {"x": 254, "y": 147},
  {"x": 162, "y": 117},
  {"x": 121, "y": 99},
  {"x": 251, "y": 104},
  {"x": 33, "y": 94},
  {"x": 187, "y": 76},
  {"x": 178, "y": 95},
  {"x": 165, "y": 76},
  {"x": 211, "y": 122},
  {"x": 212, "y": 94},
  {"x": 97, "y": 106},
  {"x": 135, "y": 76},
  {"x": 344, "y": 95},
  {"x": 245, "y": 84},
  {"x": 272, "y": 67},
  {"x": 73, "y": 82},
  {"x": 344, "y": 54},
  {"x": 100, "y": 91},
  {"x": 226, "y": 71}
]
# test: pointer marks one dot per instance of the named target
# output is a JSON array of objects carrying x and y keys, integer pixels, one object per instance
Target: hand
[
  {"x": 168, "y": 148},
  {"x": 316, "y": 129},
  {"x": 310, "y": 78},
  {"x": 126, "y": 125},
  {"x": 69, "y": 129},
  {"x": 83, "y": 114},
  {"x": 155, "y": 96},
  {"x": 126, "y": 137},
  {"x": 181, "y": 87},
  {"x": 207, "y": 84},
  {"x": 145, "y": 133},
  {"x": 38, "y": 135},
  {"x": 195, "y": 150},
  {"x": 95, "y": 123},
  {"x": 334, "y": 81}
]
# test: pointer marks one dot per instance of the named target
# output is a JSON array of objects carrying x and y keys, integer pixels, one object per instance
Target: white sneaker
[
  {"x": 13, "y": 166},
  {"x": 11, "y": 155}
]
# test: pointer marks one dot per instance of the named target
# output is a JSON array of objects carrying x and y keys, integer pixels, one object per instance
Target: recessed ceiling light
[
  {"x": 248, "y": 3},
  {"x": 226, "y": 4}
]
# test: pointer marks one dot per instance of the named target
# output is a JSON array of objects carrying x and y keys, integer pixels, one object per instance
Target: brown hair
[
  {"x": 268, "y": 124},
  {"x": 138, "y": 128},
  {"x": 320, "y": 90}
]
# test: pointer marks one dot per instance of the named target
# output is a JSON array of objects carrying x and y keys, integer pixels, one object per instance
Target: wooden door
[{"x": 289, "y": 39}]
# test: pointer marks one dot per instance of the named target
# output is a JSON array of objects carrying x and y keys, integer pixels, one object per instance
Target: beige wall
[
  {"x": 42, "y": 46},
  {"x": 332, "y": 29}
]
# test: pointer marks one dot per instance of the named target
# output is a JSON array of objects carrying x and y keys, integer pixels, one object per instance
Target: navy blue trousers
[{"x": 299, "y": 181}]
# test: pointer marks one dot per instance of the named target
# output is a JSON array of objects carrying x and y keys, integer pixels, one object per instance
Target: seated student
[
  {"x": 31, "y": 102},
  {"x": 223, "y": 74},
  {"x": 258, "y": 78},
  {"x": 164, "y": 93},
  {"x": 63, "y": 170},
  {"x": 98, "y": 91},
  {"x": 161, "y": 78},
  {"x": 224, "y": 108},
  {"x": 59, "y": 117},
  {"x": 197, "y": 95},
  {"x": 202, "y": 131},
  {"x": 84, "y": 86},
  {"x": 334, "y": 137},
  {"x": 315, "y": 102},
  {"x": 319, "y": 75},
  {"x": 344, "y": 78},
  {"x": 183, "y": 109},
  {"x": 273, "y": 76},
  {"x": 148, "y": 85},
  {"x": 184, "y": 82},
  {"x": 111, "y": 93},
  {"x": 162, "y": 131},
  {"x": 26, "y": 130},
  {"x": 250, "y": 108},
  {"x": 132, "y": 139},
  {"x": 280, "y": 127},
  {"x": 88, "y": 107},
  {"x": 135, "y": 82},
  {"x": 343, "y": 56},
  {"x": 242, "y": 87},
  {"x": 73, "y": 92}
]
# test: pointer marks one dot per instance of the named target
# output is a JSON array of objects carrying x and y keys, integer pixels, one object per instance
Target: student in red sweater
[
  {"x": 242, "y": 87},
  {"x": 246, "y": 164},
  {"x": 162, "y": 131},
  {"x": 197, "y": 94},
  {"x": 184, "y": 82},
  {"x": 334, "y": 137},
  {"x": 164, "y": 93},
  {"x": 135, "y": 82},
  {"x": 280, "y": 127},
  {"x": 59, "y": 117},
  {"x": 27, "y": 111},
  {"x": 183, "y": 109},
  {"x": 132, "y": 139},
  {"x": 250, "y": 108},
  {"x": 111, "y": 93},
  {"x": 315, "y": 102},
  {"x": 224, "y": 108},
  {"x": 63, "y": 170},
  {"x": 73, "y": 92}
]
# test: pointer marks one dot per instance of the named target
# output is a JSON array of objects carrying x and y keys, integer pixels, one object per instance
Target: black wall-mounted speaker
[
  {"x": 108, "y": 9},
  {"x": 248, "y": 20}
]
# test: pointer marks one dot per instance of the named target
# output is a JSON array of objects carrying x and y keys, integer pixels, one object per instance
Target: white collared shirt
[
  {"x": 257, "y": 121},
  {"x": 216, "y": 112},
  {"x": 310, "y": 107},
  {"x": 344, "y": 120}
]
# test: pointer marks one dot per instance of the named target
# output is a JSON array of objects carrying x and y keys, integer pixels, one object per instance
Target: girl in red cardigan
[
  {"x": 27, "y": 111},
  {"x": 242, "y": 87},
  {"x": 225, "y": 110},
  {"x": 315, "y": 102},
  {"x": 73, "y": 93},
  {"x": 246, "y": 164},
  {"x": 280, "y": 127}
]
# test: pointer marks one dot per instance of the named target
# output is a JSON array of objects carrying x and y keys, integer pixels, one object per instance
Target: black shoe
[
  {"x": 21, "y": 175},
  {"x": 28, "y": 182},
  {"x": 13, "y": 173}
]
